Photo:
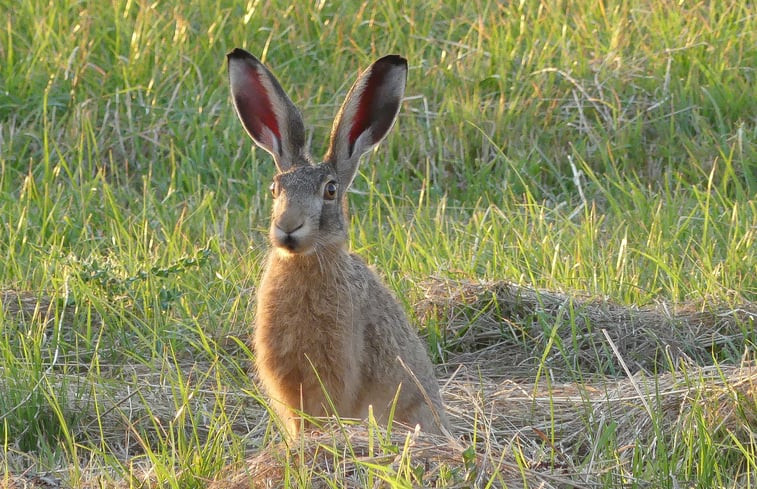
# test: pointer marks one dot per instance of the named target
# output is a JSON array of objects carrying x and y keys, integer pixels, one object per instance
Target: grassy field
[{"x": 566, "y": 207}]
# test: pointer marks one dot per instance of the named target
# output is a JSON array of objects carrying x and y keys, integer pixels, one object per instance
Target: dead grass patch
[
  {"x": 506, "y": 328},
  {"x": 541, "y": 430},
  {"x": 542, "y": 434},
  {"x": 514, "y": 434}
]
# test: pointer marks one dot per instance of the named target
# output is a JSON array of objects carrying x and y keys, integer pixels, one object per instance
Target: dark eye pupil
[
  {"x": 272, "y": 188},
  {"x": 331, "y": 190}
]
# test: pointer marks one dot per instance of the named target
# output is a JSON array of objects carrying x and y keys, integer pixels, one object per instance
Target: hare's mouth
[{"x": 292, "y": 244}]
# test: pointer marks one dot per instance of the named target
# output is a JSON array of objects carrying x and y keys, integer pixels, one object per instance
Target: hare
[{"x": 330, "y": 338}]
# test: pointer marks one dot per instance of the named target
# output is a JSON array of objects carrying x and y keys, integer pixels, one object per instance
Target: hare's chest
[{"x": 301, "y": 318}]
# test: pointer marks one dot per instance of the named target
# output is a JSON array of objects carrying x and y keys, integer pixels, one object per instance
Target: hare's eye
[
  {"x": 274, "y": 189},
  {"x": 329, "y": 191}
]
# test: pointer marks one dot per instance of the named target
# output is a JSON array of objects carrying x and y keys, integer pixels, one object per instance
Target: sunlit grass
[{"x": 600, "y": 150}]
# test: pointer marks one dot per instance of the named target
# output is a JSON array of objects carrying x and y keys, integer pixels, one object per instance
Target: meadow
[{"x": 567, "y": 208}]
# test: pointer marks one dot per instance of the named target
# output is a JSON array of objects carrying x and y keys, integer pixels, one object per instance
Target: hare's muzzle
[
  {"x": 286, "y": 238},
  {"x": 290, "y": 234}
]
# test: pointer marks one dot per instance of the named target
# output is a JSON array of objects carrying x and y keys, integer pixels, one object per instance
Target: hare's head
[{"x": 310, "y": 199}]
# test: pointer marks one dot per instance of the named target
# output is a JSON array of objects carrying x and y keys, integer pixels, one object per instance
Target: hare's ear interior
[
  {"x": 268, "y": 115},
  {"x": 367, "y": 114}
]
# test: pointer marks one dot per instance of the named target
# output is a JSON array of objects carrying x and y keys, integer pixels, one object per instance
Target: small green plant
[{"x": 104, "y": 276}]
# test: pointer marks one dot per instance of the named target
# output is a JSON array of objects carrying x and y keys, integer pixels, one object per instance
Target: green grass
[{"x": 602, "y": 150}]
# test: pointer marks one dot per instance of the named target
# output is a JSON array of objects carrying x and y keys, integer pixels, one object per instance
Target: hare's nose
[
  {"x": 288, "y": 229},
  {"x": 289, "y": 226}
]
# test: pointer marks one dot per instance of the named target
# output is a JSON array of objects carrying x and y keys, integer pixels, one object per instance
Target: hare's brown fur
[
  {"x": 330, "y": 338},
  {"x": 350, "y": 332}
]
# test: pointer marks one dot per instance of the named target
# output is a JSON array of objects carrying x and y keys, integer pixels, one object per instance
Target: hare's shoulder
[
  {"x": 380, "y": 305},
  {"x": 367, "y": 275}
]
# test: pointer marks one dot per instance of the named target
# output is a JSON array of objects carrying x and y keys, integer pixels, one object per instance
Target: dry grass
[
  {"x": 505, "y": 327},
  {"x": 42, "y": 310},
  {"x": 513, "y": 431},
  {"x": 524, "y": 431},
  {"x": 26, "y": 306}
]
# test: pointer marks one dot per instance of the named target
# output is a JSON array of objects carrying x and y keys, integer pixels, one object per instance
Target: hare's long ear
[
  {"x": 268, "y": 115},
  {"x": 367, "y": 115}
]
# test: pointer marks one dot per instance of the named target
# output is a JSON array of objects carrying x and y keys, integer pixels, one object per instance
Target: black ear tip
[
  {"x": 239, "y": 53},
  {"x": 393, "y": 59}
]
